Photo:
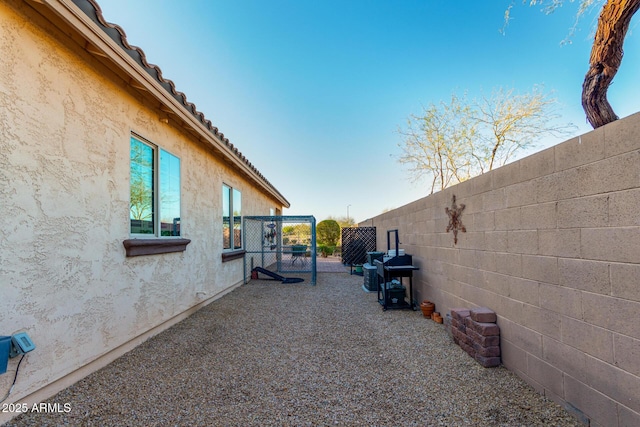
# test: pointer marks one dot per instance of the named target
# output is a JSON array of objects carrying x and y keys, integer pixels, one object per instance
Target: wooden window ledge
[{"x": 137, "y": 247}]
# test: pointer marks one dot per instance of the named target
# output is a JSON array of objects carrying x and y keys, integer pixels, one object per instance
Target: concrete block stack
[{"x": 477, "y": 333}]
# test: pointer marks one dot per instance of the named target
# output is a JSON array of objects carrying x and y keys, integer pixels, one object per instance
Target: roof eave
[{"x": 99, "y": 43}]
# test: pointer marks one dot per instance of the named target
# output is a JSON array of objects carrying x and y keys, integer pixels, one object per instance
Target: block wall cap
[
  {"x": 459, "y": 313},
  {"x": 484, "y": 315}
]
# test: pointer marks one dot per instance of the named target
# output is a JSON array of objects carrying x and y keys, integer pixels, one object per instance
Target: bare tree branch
[
  {"x": 451, "y": 142},
  {"x": 605, "y": 60},
  {"x": 606, "y": 52}
]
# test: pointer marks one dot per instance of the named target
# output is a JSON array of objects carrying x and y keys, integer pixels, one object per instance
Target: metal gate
[
  {"x": 280, "y": 244},
  {"x": 356, "y": 242}
]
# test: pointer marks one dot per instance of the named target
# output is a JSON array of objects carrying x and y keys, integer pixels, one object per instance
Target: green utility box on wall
[{"x": 5, "y": 348}]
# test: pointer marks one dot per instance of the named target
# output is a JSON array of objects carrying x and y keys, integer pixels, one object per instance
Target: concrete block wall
[{"x": 552, "y": 245}]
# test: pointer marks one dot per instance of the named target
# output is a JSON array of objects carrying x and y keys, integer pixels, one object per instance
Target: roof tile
[{"x": 117, "y": 34}]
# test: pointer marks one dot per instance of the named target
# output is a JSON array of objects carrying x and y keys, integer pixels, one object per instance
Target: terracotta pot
[
  {"x": 426, "y": 312},
  {"x": 438, "y": 319},
  {"x": 434, "y": 315},
  {"x": 427, "y": 308}
]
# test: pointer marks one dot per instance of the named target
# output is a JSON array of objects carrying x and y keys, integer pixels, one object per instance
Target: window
[
  {"x": 155, "y": 191},
  {"x": 231, "y": 218}
]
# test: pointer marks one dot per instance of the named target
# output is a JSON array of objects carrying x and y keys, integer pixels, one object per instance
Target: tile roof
[{"x": 117, "y": 34}]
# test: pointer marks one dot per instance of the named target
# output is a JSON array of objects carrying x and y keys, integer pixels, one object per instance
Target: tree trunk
[{"x": 606, "y": 56}]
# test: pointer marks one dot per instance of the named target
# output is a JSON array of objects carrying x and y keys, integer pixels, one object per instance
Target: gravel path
[{"x": 269, "y": 354}]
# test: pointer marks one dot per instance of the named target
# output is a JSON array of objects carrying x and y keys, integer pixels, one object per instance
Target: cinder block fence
[{"x": 552, "y": 246}]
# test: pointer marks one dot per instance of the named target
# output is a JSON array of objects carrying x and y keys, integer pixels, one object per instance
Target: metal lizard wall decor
[{"x": 455, "y": 223}]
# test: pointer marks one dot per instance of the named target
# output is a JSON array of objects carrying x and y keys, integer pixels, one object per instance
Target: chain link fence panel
[{"x": 280, "y": 244}]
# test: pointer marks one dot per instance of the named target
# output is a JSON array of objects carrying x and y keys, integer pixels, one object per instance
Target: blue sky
[{"x": 313, "y": 92}]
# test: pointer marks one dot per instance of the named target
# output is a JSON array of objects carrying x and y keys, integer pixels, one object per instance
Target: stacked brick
[{"x": 477, "y": 333}]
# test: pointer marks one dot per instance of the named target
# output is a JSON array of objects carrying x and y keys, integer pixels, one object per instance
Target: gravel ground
[{"x": 269, "y": 354}]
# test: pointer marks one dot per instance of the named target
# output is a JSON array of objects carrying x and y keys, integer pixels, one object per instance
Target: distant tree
[
  {"x": 606, "y": 52},
  {"x": 508, "y": 122},
  {"x": 296, "y": 234},
  {"x": 343, "y": 221},
  {"x": 449, "y": 143},
  {"x": 328, "y": 232},
  {"x": 435, "y": 144}
]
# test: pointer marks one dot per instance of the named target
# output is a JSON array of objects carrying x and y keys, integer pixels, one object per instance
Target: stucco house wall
[
  {"x": 552, "y": 244},
  {"x": 66, "y": 118}
]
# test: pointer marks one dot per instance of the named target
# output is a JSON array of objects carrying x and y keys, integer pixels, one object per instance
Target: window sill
[
  {"x": 137, "y": 247},
  {"x": 231, "y": 255}
]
